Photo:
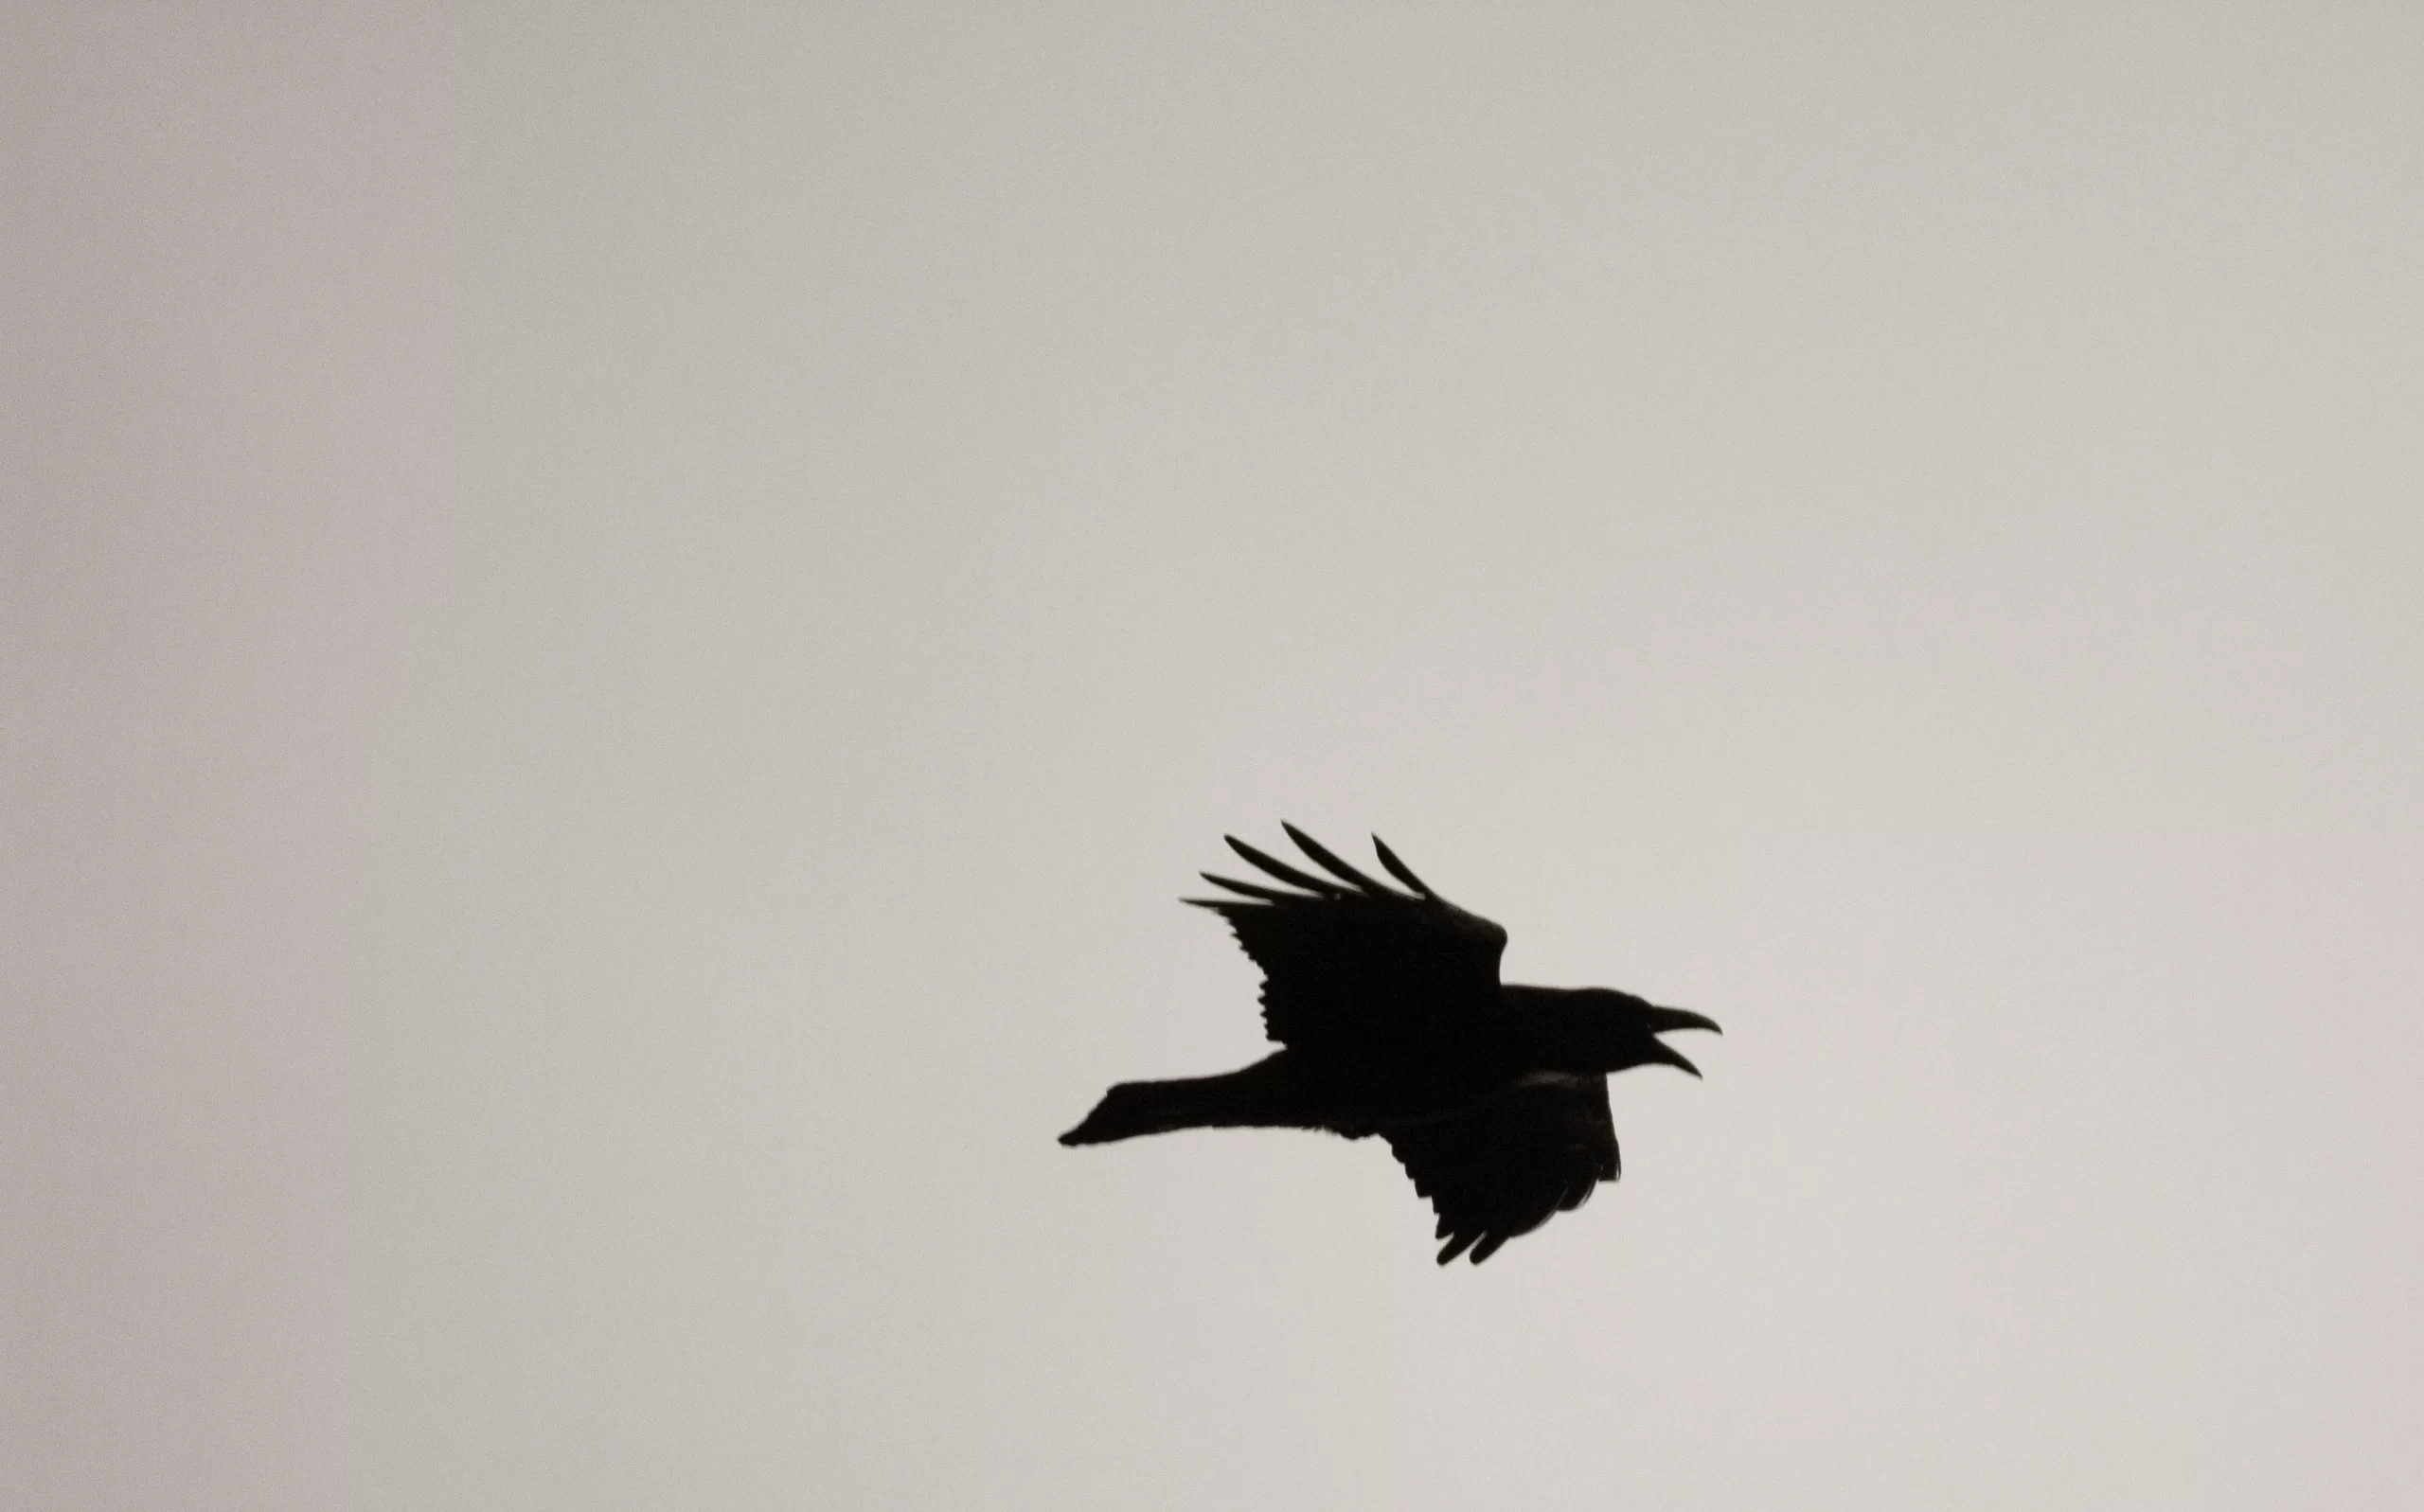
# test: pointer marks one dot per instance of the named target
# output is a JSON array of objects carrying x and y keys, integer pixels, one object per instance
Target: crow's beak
[
  {"x": 1666, "y": 1054},
  {"x": 1666, "y": 1020}
]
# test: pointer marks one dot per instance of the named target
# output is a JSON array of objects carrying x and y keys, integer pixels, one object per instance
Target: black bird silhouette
[{"x": 1392, "y": 1021}]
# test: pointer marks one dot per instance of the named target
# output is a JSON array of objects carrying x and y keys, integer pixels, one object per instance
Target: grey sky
[{"x": 622, "y": 624}]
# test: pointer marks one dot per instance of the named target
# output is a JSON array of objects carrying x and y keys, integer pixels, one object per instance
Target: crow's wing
[
  {"x": 1509, "y": 1167},
  {"x": 1354, "y": 968}
]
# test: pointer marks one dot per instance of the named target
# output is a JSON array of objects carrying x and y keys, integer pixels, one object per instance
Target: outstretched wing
[
  {"x": 1353, "y": 966},
  {"x": 1509, "y": 1167}
]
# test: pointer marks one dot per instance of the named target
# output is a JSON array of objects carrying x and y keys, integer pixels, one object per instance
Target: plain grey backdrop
[{"x": 623, "y": 622}]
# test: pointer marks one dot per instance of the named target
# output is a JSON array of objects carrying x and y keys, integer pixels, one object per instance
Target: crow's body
[{"x": 1393, "y": 1022}]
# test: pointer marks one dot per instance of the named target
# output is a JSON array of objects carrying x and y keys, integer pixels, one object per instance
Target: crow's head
[{"x": 1617, "y": 1031}]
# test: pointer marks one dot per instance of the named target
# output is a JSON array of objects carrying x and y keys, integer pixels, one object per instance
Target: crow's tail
[{"x": 1264, "y": 1095}]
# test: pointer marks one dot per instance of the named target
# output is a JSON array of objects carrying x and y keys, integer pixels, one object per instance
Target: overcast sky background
[{"x": 622, "y": 624}]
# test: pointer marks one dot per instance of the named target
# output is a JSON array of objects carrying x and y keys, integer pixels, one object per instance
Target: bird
[{"x": 1391, "y": 1021}]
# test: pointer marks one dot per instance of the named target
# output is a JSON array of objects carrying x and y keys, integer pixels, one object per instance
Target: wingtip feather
[
  {"x": 1329, "y": 861},
  {"x": 1400, "y": 869},
  {"x": 1269, "y": 895},
  {"x": 1284, "y": 872}
]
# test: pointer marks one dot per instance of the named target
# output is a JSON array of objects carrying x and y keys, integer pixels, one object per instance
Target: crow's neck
[{"x": 1549, "y": 1025}]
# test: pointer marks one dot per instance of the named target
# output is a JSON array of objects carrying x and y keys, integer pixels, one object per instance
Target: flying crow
[{"x": 1391, "y": 1021}]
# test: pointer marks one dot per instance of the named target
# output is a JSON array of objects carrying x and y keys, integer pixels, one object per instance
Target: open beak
[
  {"x": 1668, "y": 1055},
  {"x": 1666, "y": 1020}
]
